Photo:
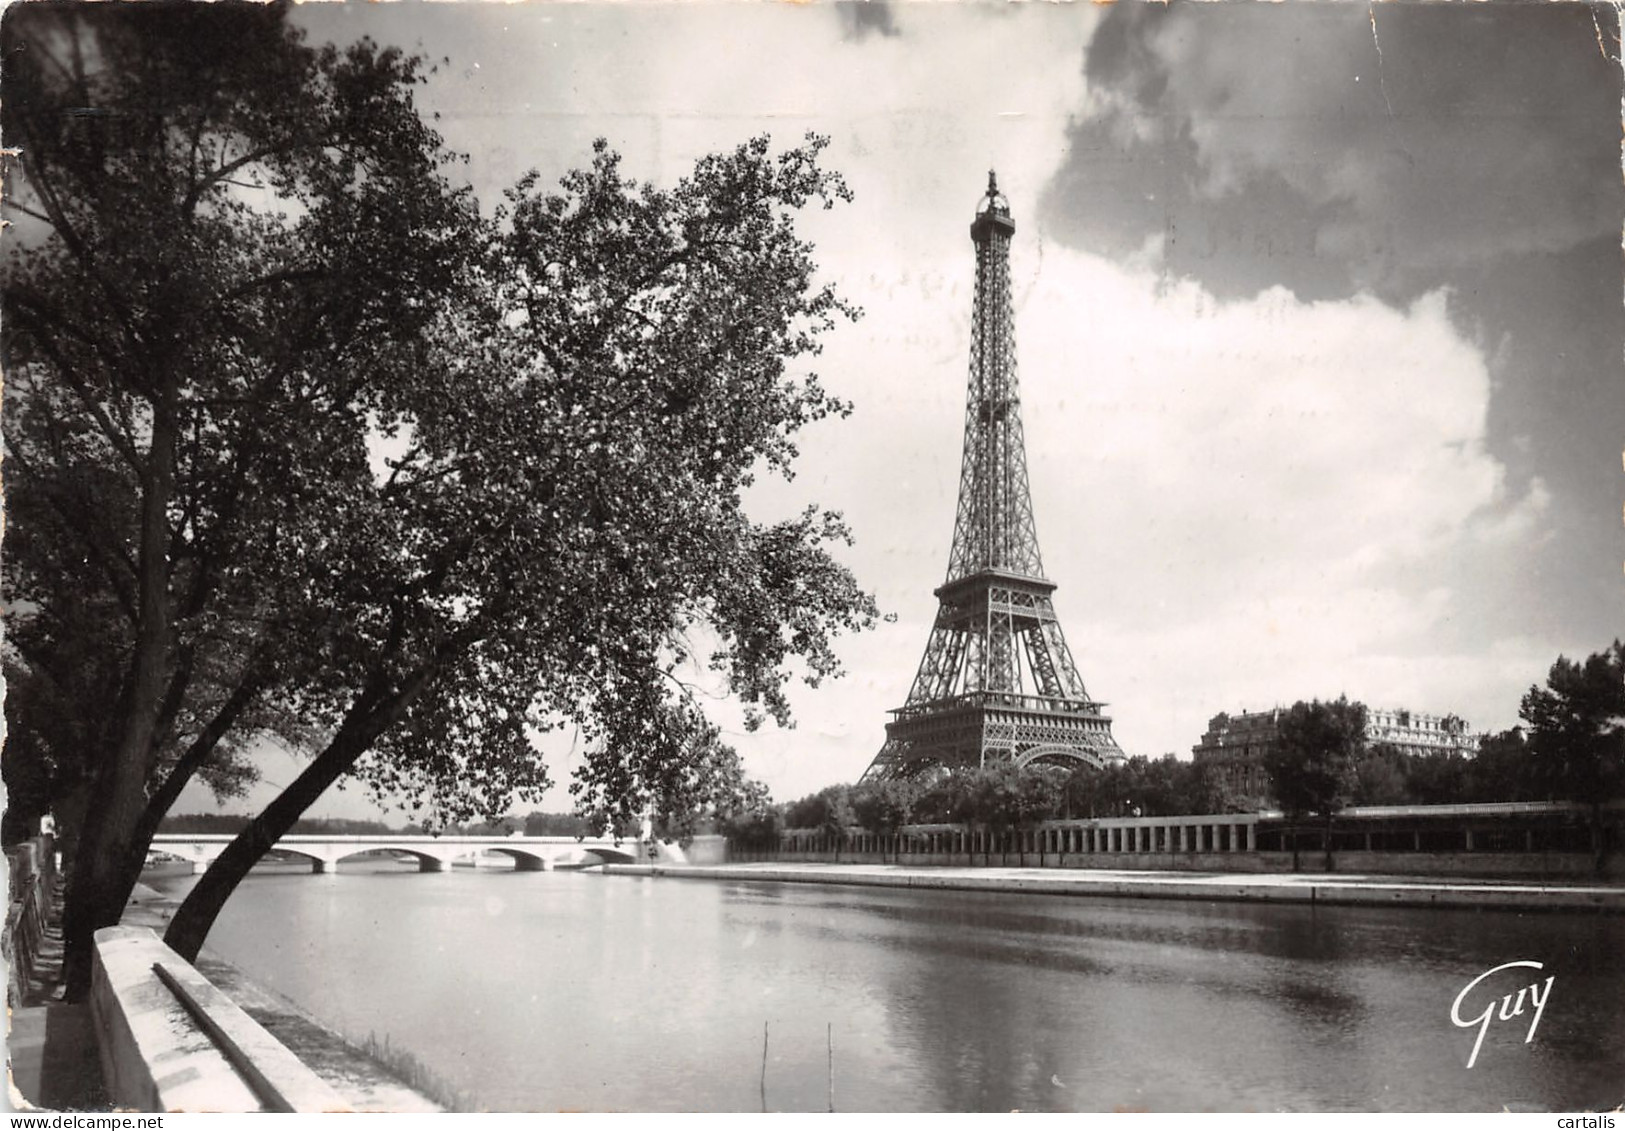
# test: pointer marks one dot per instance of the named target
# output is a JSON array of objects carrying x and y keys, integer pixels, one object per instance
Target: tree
[
  {"x": 260, "y": 275},
  {"x": 1040, "y": 800},
  {"x": 212, "y": 223},
  {"x": 943, "y": 798},
  {"x": 582, "y": 433},
  {"x": 1005, "y": 798},
  {"x": 1141, "y": 786},
  {"x": 884, "y": 807},
  {"x": 759, "y": 830},
  {"x": 556, "y": 824},
  {"x": 1380, "y": 777},
  {"x": 1091, "y": 792},
  {"x": 1503, "y": 769},
  {"x": 697, "y": 779},
  {"x": 1437, "y": 778},
  {"x": 1577, "y": 734},
  {"x": 832, "y": 815},
  {"x": 1312, "y": 761}
]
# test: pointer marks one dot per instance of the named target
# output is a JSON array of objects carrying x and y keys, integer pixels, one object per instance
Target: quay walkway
[{"x": 1319, "y": 888}]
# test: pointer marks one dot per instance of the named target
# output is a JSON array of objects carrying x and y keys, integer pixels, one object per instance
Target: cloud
[
  {"x": 1389, "y": 140},
  {"x": 1394, "y": 151},
  {"x": 1260, "y": 499}
]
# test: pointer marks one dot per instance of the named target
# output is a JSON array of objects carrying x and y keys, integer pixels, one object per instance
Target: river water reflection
[{"x": 546, "y": 991}]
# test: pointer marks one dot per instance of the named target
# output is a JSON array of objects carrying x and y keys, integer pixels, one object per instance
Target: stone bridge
[{"x": 433, "y": 853}]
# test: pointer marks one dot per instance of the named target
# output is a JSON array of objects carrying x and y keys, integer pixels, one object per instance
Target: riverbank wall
[
  {"x": 169, "y": 1040},
  {"x": 1566, "y": 866},
  {"x": 176, "y": 1036},
  {"x": 1352, "y": 890},
  {"x": 1506, "y": 840}
]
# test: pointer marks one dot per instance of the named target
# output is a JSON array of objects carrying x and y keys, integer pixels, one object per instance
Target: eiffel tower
[{"x": 997, "y": 681}]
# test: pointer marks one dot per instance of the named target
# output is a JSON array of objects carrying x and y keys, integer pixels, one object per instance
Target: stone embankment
[
  {"x": 170, "y": 1040},
  {"x": 168, "y": 1035},
  {"x": 1334, "y": 889},
  {"x": 362, "y": 1082}
]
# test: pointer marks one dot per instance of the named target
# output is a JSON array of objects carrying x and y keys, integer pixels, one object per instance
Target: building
[{"x": 1233, "y": 747}]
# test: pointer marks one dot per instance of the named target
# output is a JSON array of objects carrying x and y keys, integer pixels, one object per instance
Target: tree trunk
[
  {"x": 373, "y": 714},
  {"x": 183, "y": 771},
  {"x": 1328, "y": 835},
  {"x": 203, "y": 904},
  {"x": 101, "y": 882},
  {"x": 1599, "y": 842},
  {"x": 1292, "y": 833}
]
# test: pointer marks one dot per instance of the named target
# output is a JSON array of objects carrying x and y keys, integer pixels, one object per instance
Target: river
[{"x": 537, "y": 991}]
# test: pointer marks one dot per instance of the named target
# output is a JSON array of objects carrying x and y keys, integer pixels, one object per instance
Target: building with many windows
[{"x": 1233, "y": 747}]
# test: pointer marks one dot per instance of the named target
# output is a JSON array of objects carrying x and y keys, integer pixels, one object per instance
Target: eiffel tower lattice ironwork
[{"x": 997, "y": 681}]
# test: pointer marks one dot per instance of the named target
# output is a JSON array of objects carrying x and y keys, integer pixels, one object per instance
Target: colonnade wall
[{"x": 1548, "y": 841}]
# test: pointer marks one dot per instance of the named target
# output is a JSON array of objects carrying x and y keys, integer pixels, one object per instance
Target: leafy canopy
[
  {"x": 1313, "y": 760},
  {"x": 1577, "y": 727},
  {"x": 239, "y": 276}
]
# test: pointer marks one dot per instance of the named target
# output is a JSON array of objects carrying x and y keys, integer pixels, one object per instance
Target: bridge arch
[
  {"x": 627, "y": 855},
  {"x": 439, "y": 861},
  {"x": 523, "y": 861},
  {"x": 318, "y": 863}
]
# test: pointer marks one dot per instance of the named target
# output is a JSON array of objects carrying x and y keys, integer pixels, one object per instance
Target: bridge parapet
[{"x": 434, "y": 854}]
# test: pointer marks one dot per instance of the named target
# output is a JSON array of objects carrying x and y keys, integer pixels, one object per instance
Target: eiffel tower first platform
[{"x": 997, "y": 681}]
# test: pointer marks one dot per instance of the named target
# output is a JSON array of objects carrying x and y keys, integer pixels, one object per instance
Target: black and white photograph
[{"x": 853, "y": 556}]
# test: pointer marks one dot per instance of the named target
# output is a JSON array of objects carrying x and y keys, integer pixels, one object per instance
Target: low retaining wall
[
  {"x": 171, "y": 1041},
  {"x": 1370, "y": 892},
  {"x": 30, "y": 876},
  {"x": 1116, "y": 862},
  {"x": 1503, "y": 865}
]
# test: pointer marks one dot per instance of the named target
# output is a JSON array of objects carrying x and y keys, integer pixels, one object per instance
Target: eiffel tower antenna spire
[{"x": 997, "y": 681}]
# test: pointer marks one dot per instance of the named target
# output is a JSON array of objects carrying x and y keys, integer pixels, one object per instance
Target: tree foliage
[
  {"x": 1313, "y": 760},
  {"x": 1577, "y": 727},
  {"x": 683, "y": 778},
  {"x": 570, "y": 503},
  {"x": 883, "y": 807},
  {"x": 1577, "y": 733},
  {"x": 1147, "y": 787},
  {"x": 1502, "y": 770},
  {"x": 220, "y": 236},
  {"x": 245, "y": 280},
  {"x": 1380, "y": 777}
]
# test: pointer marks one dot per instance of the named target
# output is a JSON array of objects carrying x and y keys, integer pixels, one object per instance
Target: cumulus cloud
[
  {"x": 1399, "y": 139},
  {"x": 1267, "y": 496},
  {"x": 1395, "y": 151}
]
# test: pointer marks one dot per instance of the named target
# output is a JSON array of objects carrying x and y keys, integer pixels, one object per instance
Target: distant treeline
[
  {"x": 535, "y": 824},
  {"x": 1001, "y": 795}
]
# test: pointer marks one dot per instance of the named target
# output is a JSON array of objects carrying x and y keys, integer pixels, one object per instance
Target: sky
[{"x": 1318, "y": 317}]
